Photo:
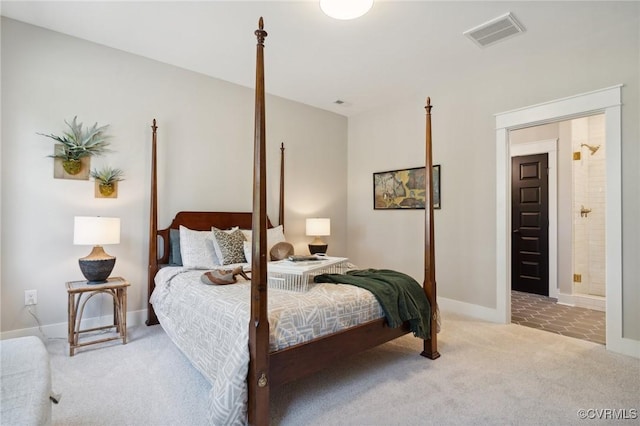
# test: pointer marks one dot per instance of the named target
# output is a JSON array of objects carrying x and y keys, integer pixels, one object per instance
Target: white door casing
[{"x": 608, "y": 102}]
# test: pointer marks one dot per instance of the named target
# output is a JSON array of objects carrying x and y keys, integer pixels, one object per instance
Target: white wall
[
  {"x": 205, "y": 144},
  {"x": 464, "y": 145}
]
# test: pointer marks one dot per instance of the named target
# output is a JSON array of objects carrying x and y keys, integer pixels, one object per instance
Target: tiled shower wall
[{"x": 589, "y": 193}]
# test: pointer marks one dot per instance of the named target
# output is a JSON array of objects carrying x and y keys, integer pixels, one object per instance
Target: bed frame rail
[{"x": 302, "y": 360}]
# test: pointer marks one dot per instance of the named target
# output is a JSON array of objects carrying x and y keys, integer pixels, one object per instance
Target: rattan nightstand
[{"x": 117, "y": 288}]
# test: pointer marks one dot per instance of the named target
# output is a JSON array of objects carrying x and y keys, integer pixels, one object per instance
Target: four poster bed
[{"x": 243, "y": 349}]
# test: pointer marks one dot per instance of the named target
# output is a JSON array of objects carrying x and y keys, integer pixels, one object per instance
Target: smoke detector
[{"x": 495, "y": 30}]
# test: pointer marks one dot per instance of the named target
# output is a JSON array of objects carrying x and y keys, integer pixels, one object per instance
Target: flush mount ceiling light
[{"x": 345, "y": 9}]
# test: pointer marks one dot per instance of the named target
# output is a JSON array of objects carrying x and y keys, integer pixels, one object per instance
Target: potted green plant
[
  {"x": 107, "y": 178},
  {"x": 78, "y": 143}
]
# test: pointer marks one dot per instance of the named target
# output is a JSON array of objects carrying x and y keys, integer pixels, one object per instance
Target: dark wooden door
[{"x": 530, "y": 224}]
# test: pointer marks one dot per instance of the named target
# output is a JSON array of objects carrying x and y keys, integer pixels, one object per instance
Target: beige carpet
[{"x": 488, "y": 374}]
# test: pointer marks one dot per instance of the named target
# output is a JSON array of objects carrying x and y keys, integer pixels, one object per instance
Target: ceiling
[{"x": 398, "y": 51}]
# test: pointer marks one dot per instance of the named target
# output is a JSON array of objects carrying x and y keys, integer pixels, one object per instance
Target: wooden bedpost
[
  {"x": 431, "y": 345},
  {"x": 258, "y": 378},
  {"x": 281, "y": 205},
  {"x": 153, "y": 228}
]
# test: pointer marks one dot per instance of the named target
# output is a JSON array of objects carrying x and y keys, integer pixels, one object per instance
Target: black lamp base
[
  {"x": 97, "y": 270},
  {"x": 318, "y": 248}
]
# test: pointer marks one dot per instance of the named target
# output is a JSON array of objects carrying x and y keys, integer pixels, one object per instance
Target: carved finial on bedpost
[
  {"x": 260, "y": 32},
  {"x": 154, "y": 127},
  {"x": 428, "y": 106}
]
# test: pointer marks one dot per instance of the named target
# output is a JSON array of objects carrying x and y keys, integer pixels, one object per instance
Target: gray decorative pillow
[
  {"x": 229, "y": 246},
  {"x": 175, "y": 259}
]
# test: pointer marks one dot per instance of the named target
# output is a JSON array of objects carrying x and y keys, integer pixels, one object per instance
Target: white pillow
[
  {"x": 196, "y": 249},
  {"x": 247, "y": 247},
  {"x": 274, "y": 236},
  {"x": 247, "y": 234}
]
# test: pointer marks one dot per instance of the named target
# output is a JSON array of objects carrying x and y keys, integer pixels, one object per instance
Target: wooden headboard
[{"x": 202, "y": 221}]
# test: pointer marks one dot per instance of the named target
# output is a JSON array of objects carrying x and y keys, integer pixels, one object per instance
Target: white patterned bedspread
[{"x": 210, "y": 325}]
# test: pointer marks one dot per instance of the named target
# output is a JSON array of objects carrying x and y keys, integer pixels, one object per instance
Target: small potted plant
[
  {"x": 78, "y": 143},
  {"x": 107, "y": 178}
]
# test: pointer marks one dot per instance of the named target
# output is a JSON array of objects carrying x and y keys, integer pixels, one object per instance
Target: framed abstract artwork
[
  {"x": 404, "y": 189},
  {"x": 436, "y": 186}
]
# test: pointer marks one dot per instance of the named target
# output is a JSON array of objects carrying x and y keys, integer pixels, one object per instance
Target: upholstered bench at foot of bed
[{"x": 25, "y": 382}]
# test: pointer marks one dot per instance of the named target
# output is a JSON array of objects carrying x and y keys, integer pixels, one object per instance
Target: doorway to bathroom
[
  {"x": 568, "y": 296},
  {"x": 608, "y": 101}
]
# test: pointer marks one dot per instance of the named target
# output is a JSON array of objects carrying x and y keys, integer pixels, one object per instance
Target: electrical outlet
[{"x": 30, "y": 297}]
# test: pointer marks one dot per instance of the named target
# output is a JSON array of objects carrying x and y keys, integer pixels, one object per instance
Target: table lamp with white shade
[
  {"x": 318, "y": 227},
  {"x": 96, "y": 231}
]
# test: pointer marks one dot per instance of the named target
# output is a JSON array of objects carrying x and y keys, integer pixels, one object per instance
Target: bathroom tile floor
[{"x": 543, "y": 313}]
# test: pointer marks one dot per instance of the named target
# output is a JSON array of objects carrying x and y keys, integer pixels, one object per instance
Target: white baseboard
[
  {"x": 60, "y": 330},
  {"x": 468, "y": 309},
  {"x": 597, "y": 303},
  {"x": 624, "y": 346}
]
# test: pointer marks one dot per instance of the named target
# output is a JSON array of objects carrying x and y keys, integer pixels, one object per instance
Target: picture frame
[
  {"x": 404, "y": 189},
  {"x": 436, "y": 186}
]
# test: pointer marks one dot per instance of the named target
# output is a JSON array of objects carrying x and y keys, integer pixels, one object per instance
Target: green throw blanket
[{"x": 401, "y": 297}]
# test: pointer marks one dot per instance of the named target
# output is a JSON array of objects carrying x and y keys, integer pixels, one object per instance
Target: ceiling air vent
[{"x": 495, "y": 30}]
